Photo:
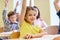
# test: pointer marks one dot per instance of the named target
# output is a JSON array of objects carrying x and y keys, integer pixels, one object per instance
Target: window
[{"x": 20, "y": 4}]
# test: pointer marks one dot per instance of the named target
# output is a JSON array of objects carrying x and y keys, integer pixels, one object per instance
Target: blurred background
[{"x": 46, "y": 7}]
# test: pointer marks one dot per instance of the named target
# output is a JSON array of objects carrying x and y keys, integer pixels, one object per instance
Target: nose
[{"x": 33, "y": 17}]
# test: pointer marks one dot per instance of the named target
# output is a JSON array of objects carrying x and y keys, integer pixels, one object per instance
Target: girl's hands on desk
[{"x": 28, "y": 36}]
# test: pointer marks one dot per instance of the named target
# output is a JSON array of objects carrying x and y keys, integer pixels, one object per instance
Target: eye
[
  {"x": 30, "y": 14},
  {"x": 34, "y": 14}
]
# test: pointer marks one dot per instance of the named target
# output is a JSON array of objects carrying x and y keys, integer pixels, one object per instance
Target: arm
[
  {"x": 40, "y": 34},
  {"x": 4, "y": 15},
  {"x": 16, "y": 6},
  {"x": 30, "y": 4},
  {"x": 5, "y": 20},
  {"x": 4, "y": 12},
  {"x": 56, "y": 5},
  {"x": 22, "y": 15}
]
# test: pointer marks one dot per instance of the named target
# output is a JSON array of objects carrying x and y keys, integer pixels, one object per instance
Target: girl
[
  {"x": 38, "y": 20},
  {"x": 58, "y": 13},
  {"x": 27, "y": 27}
]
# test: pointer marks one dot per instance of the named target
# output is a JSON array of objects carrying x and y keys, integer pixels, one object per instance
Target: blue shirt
[
  {"x": 58, "y": 13},
  {"x": 8, "y": 26}
]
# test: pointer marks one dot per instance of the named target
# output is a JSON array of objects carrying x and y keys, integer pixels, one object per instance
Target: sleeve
[
  {"x": 5, "y": 20},
  {"x": 58, "y": 13},
  {"x": 43, "y": 24},
  {"x": 39, "y": 29},
  {"x": 15, "y": 10},
  {"x": 4, "y": 16}
]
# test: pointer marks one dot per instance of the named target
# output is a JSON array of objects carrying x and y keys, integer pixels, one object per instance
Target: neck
[
  {"x": 31, "y": 23},
  {"x": 13, "y": 22}
]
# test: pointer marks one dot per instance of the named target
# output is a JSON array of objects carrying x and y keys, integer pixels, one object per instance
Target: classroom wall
[
  {"x": 1, "y": 9},
  {"x": 43, "y": 5},
  {"x": 44, "y": 8}
]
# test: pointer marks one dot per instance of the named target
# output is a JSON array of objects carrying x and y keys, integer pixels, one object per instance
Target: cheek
[
  {"x": 10, "y": 19},
  {"x": 27, "y": 18},
  {"x": 34, "y": 17}
]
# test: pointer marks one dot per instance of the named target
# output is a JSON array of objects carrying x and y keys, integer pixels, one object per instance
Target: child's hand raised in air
[
  {"x": 6, "y": 2},
  {"x": 17, "y": 3},
  {"x": 56, "y": 1}
]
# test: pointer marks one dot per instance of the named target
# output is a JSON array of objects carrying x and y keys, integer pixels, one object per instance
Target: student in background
[
  {"x": 38, "y": 20},
  {"x": 26, "y": 22},
  {"x": 10, "y": 23},
  {"x": 41, "y": 23},
  {"x": 58, "y": 12}
]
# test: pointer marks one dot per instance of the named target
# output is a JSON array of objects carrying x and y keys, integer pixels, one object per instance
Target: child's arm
[
  {"x": 22, "y": 15},
  {"x": 5, "y": 12},
  {"x": 42, "y": 32},
  {"x": 30, "y": 4},
  {"x": 5, "y": 20},
  {"x": 39, "y": 34},
  {"x": 56, "y": 5},
  {"x": 16, "y": 6}
]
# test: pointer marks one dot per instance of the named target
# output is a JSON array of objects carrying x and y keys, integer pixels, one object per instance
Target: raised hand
[
  {"x": 56, "y": 1},
  {"x": 17, "y": 3},
  {"x": 6, "y": 2},
  {"x": 56, "y": 5}
]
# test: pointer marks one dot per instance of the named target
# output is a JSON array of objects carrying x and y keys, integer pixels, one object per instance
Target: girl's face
[{"x": 30, "y": 16}]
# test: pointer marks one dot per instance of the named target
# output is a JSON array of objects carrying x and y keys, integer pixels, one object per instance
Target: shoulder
[
  {"x": 40, "y": 19},
  {"x": 24, "y": 23}
]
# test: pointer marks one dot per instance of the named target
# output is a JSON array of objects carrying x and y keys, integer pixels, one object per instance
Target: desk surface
[
  {"x": 7, "y": 33},
  {"x": 45, "y": 37}
]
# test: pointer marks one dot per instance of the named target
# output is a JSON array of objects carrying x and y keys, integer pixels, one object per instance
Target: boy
[{"x": 10, "y": 23}]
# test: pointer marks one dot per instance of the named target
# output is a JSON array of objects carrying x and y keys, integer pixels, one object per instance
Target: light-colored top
[
  {"x": 40, "y": 23},
  {"x": 27, "y": 28}
]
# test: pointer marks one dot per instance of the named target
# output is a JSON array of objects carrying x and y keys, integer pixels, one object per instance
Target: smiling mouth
[{"x": 32, "y": 19}]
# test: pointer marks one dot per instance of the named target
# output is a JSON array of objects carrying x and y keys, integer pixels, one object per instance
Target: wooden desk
[
  {"x": 45, "y": 37},
  {"x": 6, "y": 35}
]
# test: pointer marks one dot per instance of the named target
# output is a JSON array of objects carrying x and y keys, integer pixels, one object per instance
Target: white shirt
[{"x": 40, "y": 23}]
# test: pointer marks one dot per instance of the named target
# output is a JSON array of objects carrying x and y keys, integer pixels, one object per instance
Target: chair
[
  {"x": 15, "y": 35},
  {"x": 52, "y": 29},
  {"x": 1, "y": 29},
  {"x": 57, "y": 38}
]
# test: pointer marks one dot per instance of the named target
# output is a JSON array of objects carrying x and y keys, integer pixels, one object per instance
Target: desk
[
  {"x": 6, "y": 35},
  {"x": 45, "y": 37}
]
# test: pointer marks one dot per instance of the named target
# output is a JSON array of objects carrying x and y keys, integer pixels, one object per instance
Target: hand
[
  {"x": 56, "y": 1},
  {"x": 28, "y": 36},
  {"x": 6, "y": 2},
  {"x": 17, "y": 3}
]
